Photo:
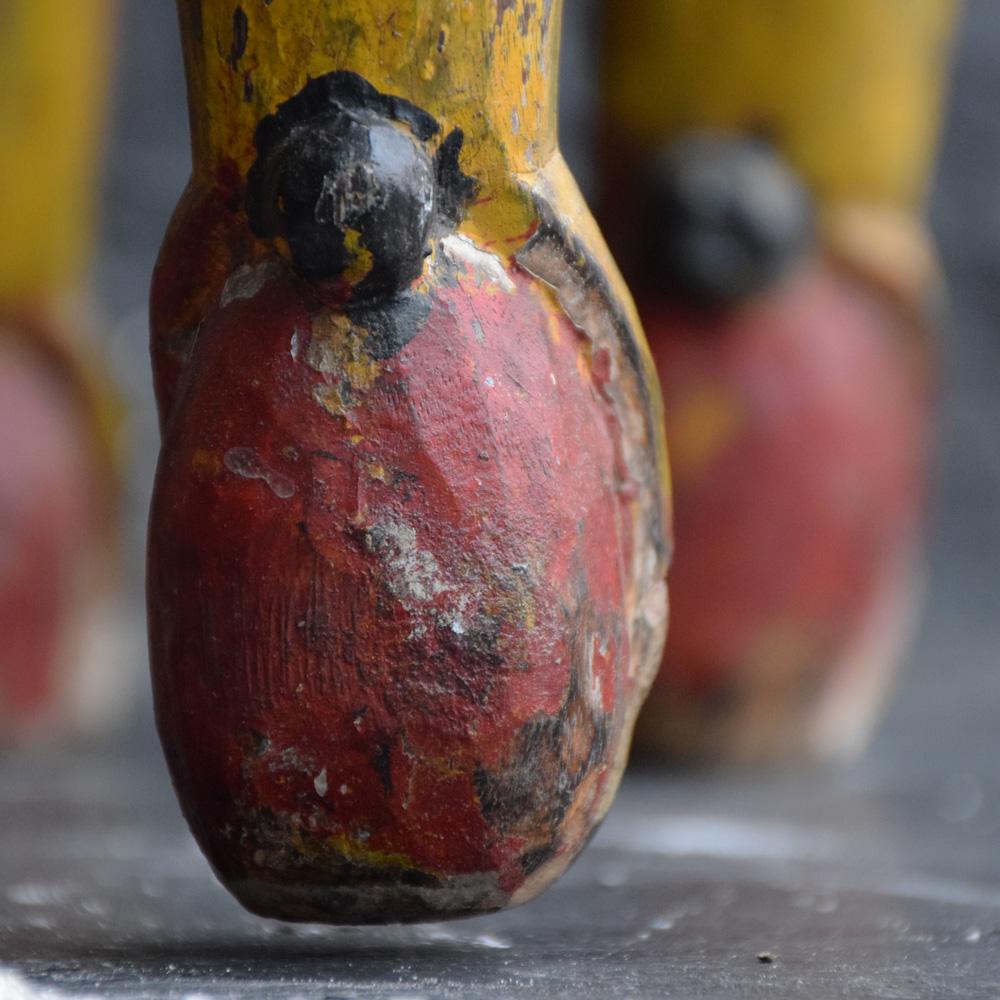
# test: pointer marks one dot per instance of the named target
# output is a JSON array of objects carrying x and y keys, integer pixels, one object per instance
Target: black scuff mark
[
  {"x": 531, "y": 861},
  {"x": 502, "y": 7},
  {"x": 530, "y": 795},
  {"x": 382, "y": 762},
  {"x": 456, "y": 190},
  {"x": 527, "y": 13},
  {"x": 390, "y": 324},
  {"x": 241, "y": 33}
]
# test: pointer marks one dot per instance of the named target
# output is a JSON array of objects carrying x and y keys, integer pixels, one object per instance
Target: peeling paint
[
  {"x": 320, "y": 783},
  {"x": 412, "y": 573},
  {"x": 442, "y": 621},
  {"x": 246, "y": 281},
  {"x": 246, "y": 463}
]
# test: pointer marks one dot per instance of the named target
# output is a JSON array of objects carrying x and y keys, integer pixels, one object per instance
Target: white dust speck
[{"x": 491, "y": 941}]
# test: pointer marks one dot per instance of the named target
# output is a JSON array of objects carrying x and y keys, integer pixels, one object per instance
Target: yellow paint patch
[
  {"x": 337, "y": 347},
  {"x": 360, "y": 257},
  {"x": 348, "y": 849},
  {"x": 700, "y": 425},
  {"x": 204, "y": 462},
  {"x": 330, "y": 398},
  {"x": 555, "y": 328},
  {"x": 457, "y": 60}
]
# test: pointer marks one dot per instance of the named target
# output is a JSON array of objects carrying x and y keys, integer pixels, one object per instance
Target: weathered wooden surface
[
  {"x": 410, "y": 524},
  {"x": 920, "y": 817}
]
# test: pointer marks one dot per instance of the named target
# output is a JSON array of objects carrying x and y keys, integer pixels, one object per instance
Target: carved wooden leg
[
  {"x": 409, "y": 534},
  {"x": 764, "y": 173},
  {"x": 57, "y": 471}
]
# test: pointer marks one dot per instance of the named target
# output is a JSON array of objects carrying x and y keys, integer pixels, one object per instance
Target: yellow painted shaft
[
  {"x": 53, "y": 75},
  {"x": 850, "y": 90},
  {"x": 487, "y": 67},
  {"x": 469, "y": 63}
]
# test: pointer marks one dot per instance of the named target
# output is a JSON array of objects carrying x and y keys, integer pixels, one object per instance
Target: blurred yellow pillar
[{"x": 58, "y": 463}]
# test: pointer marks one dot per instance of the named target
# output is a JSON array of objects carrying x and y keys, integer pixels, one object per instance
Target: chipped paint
[
  {"x": 442, "y": 617},
  {"x": 247, "y": 464},
  {"x": 246, "y": 281},
  {"x": 485, "y": 268},
  {"x": 412, "y": 573},
  {"x": 320, "y": 783}
]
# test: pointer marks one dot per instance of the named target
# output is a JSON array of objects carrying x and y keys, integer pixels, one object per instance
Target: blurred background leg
[
  {"x": 764, "y": 170},
  {"x": 58, "y": 419}
]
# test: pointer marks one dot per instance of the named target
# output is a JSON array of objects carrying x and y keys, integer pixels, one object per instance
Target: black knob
[
  {"x": 345, "y": 175},
  {"x": 726, "y": 217}
]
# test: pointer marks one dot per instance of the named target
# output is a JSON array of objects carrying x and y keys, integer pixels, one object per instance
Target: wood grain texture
[{"x": 409, "y": 534}]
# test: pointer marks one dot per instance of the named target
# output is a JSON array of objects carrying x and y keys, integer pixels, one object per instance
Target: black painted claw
[{"x": 344, "y": 174}]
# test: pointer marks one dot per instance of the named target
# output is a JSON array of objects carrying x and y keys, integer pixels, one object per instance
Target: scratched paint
[{"x": 401, "y": 686}]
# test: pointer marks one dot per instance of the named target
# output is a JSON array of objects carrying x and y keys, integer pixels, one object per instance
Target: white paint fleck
[
  {"x": 344, "y": 789},
  {"x": 489, "y": 381},
  {"x": 319, "y": 783},
  {"x": 515, "y": 121},
  {"x": 247, "y": 464},
  {"x": 296, "y": 345},
  {"x": 412, "y": 573},
  {"x": 973, "y": 935},
  {"x": 485, "y": 267},
  {"x": 246, "y": 281}
]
